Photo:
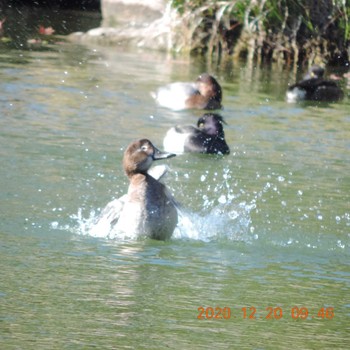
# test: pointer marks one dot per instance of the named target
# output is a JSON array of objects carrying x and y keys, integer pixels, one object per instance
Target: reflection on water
[
  {"x": 21, "y": 26},
  {"x": 267, "y": 225}
]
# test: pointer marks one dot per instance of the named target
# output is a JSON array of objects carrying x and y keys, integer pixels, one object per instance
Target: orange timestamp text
[{"x": 270, "y": 313}]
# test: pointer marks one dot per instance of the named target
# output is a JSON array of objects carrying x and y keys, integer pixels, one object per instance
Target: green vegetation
[{"x": 291, "y": 31}]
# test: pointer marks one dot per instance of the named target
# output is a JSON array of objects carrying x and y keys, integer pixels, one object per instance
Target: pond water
[{"x": 264, "y": 241}]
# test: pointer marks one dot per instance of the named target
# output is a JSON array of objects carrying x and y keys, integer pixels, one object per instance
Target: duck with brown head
[
  {"x": 147, "y": 209},
  {"x": 204, "y": 93}
]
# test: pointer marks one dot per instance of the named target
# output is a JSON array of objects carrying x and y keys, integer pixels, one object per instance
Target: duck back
[{"x": 149, "y": 211}]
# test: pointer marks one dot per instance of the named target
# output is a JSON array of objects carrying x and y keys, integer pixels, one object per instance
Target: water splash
[
  {"x": 220, "y": 209},
  {"x": 225, "y": 221},
  {"x": 223, "y": 216},
  {"x": 87, "y": 226}
]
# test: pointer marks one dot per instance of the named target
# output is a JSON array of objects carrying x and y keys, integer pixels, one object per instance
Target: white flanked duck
[
  {"x": 313, "y": 87},
  {"x": 208, "y": 137},
  {"x": 148, "y": 209},
  {"x": 204, "y": 93}
]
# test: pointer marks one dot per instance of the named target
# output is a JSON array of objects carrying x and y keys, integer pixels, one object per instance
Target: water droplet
[
  {"x": 222, "y": 199},
  {"x": 340, "y": 244},
  {"x": 54, "y": 224}
]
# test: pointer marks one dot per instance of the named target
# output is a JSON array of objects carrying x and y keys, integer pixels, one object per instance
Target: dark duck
[
  {"x": 207, "y": 137},
  {"x": 313, "y": 87}
]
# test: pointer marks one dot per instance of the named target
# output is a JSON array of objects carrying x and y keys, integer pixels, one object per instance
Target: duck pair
[
  {"x": 208, "y": 136},
  {"x": 206, "y": 93}
]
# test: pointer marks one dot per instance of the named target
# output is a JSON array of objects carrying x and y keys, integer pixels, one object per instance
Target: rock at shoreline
[{"x": 141, "y": 23}]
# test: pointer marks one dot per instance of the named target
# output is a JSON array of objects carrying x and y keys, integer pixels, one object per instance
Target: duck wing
[
  {"x": 111, "y": 213},
  {"x": 198, "y": 142},
  {"x": 112, "y": 210},
  {"x": 328, "y": 91},
  {"x": 185, "y": 129},
  {"x": 109, "y": 216},
  {"x": 307, "y": 84},
  {"x": 319, "y": 89}
]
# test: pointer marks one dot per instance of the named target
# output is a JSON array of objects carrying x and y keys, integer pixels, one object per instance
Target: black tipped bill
[{"x": 162, "y": 155}]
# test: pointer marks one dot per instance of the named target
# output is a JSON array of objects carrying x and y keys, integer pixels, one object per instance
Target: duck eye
[
  {"x": 201, "y": 125},
  {"x": 144, "y": 148}
]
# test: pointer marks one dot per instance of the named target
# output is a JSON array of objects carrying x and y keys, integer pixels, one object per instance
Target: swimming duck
[
  {"x": 208, "y": 137},
  {"x": 148, "y": 208},
  {"x": 204, "y": 93},
  {"x": 314, "y": 87}
]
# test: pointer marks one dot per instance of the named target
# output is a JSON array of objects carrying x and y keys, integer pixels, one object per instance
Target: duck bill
[{"x": 162, "y": 155}]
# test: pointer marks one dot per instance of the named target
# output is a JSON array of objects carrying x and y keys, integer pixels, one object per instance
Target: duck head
[
  {"x": 211, "y": 124},
  {"x": 315, "y": 72},
  {"x": 209, "y": 88},
  {"x": 139, "y": 156}
]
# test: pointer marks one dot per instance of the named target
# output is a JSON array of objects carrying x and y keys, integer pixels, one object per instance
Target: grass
[{"x": 288, "y": 31}]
